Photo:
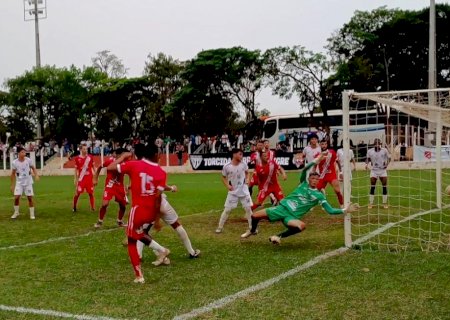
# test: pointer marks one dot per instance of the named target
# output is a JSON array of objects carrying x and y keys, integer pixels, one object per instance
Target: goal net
[{"x": 412, "y": 212}]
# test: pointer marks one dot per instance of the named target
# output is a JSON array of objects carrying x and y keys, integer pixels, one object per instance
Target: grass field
[{"x": 87, "y": 272}]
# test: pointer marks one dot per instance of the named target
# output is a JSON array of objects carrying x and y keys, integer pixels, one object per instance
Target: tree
[
  {"x": 110, "y": 64},
  {"x": 300, "y": 72}
]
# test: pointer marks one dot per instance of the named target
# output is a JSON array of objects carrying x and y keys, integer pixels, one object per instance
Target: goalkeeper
[{"x": 299, "y": 202}]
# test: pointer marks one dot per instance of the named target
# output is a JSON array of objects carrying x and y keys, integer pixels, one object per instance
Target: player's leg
[
  {"x": 170, "y": 216},
  {"x": 337, "y": 190},
  {"x": 256, "y": 217},
  {"x": 262, "y": 195},
  {"x": 122, "y": 200},
  {"x": 384, "y": 180},
  {"x": 247, "y": 204},
  {"x": 90, "y": 191},
  {"x": 18, "y": 190},
  {"x": 230, "y": 203},
  {"x": 293, "y": 225},
  {"x": 102, "y": 211},
  {"x": 78, "y": 191},
  {"x": 373, "y": 182},
  {"x": 30, "y": 194}
]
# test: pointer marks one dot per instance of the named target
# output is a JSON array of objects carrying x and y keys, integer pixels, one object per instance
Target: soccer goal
[{"x": 412, "y": 211}]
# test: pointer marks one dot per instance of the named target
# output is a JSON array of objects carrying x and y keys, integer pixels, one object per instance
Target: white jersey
[
  {"x": 236, "y": 176},
  {"x": 379, "y": 159},
  {"x": 341, "y": 158},
  {"x": 23, "y": 171},
  {"x": 311, "y": 153}
]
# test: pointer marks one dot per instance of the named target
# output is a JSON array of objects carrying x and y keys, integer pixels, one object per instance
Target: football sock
[
  {"x": 102, "y": 212},
  {"x": 224, "y": 217},
  {"x": 254, "y": 206},
  {"x": 248, "y": 215},
  {"x": 185, "y": 238},
  {"x": 75, "y": 200},
  {"x": 254, "y": 224},
  {"x": 289, "y": 232},
  {"x": 156, "y": 246},
  {"x": 121, "y": 212},
  {"x": 16, "y": 209},
  {"x": 92, "y": 200},
  {"x": 134, "y": 257},
  {"x": 140, "y": 248}
]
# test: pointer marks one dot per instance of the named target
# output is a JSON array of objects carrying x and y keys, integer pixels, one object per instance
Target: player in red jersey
[
  {"x": 84, "y": 171},
  {"x": 270, "y": 153},
  {"x": 114, "y": 188},
  {"x": 147, "y": 181},
  {"x": 327, "y": 171},
  {"x": 268, "y": 182},
  {"x": 255, "y": 158}
]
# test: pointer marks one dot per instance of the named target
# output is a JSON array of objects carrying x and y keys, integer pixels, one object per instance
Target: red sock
[
  {"x": 254, "y": 206},
  {"x": 102, "y": 212},
  {"x": 340, "y": 198},
  {"x": 121, "y": 212},
  {"x": 134, "y": 257},
  {"x": 75, "y": 200},
  {"x": 92, "y": 200}
]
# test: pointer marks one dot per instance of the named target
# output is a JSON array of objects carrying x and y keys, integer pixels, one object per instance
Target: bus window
[
  {"x": 270, "y": 127},
  {"x": 293, "y": 123}
]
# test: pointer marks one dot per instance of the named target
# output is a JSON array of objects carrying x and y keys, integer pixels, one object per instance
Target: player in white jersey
[
  {"x": 312, "y": 151},
  {"x": 22, "y": 181},
  {"x": 379, "y": 159},
  {"x": 234, "y": 174},
  {"x": 341, "y": 158}
]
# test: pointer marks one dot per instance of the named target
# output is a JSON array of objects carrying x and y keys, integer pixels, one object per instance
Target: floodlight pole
[
  {"x": 38, "y": 45},
  {"x": 432, "y": 54}
]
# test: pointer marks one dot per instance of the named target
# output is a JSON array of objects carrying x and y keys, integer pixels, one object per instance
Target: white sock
[
  {"x": 248, "y": 215},
  {"x": 384, "y": 198},
  {"x": 371, "y": 198},
  {"x": 140, "y": 248},
  {"x": 156, "y": 246},
  {"x": 16, "y": 209},
  {"x": 185, "y": 238},
  {"x": 31, "y": 211},
  {"x": 224, "y": 217}
]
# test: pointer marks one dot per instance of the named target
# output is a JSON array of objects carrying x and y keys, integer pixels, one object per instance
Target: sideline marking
[
  {"x": 53, "y": 313},
  {"x": 219, "y": 303}
]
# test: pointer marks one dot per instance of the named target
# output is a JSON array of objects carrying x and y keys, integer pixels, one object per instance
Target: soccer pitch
[{"x": 59, "y": 263}]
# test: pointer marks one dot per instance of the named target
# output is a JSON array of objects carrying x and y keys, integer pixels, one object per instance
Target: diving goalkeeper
[{"x": 298, "y": 203}]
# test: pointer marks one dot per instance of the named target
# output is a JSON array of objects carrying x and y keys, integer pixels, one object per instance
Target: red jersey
[
  {"x": 270, "y": 155},
  {"x": 255, "y": 158},
  {"x": 146, "y": 179},
  {"x": 84, "y": 166},
  {"x": 267, "y": 174},
  {"x": 328, "y": 164},
  {"x": 111, "y": 176}
]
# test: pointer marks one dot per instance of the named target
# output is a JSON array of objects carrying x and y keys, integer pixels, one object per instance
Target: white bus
[{"x": 365, "y": 126}]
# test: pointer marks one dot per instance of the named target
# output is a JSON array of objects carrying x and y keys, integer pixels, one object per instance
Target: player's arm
[
  {"x": 226, "y": 184},
  {"x": 388, "y": 159},
  {"x": 97, "y": 174},
  {"x": 172, "y": 188},
  {"x": 352, "y": 207},
  {"x": 113, "y": 165},
  {"x": 35, "y": 172},
  {"x": 13, "y": 179},
  {"x": 283, "y": 172}
]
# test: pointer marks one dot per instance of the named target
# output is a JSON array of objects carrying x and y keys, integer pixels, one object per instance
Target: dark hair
[
  {"x": 314, "y": 174},
  {"x": 151, "y": 150},
  {"x": 139, "y": 150},
  {"x": 313, "y": 135},
  {"x": 236, "y": 150},
  {"x": 19, "y": 149},
  {"x": 119, "y": 151},
  {"x": 324, "y": 140}
]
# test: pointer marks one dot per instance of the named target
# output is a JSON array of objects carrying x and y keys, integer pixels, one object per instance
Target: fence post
[
  {"x": 61, "y": 153},
  {"x": 42, "y": 158},
  {"x": 4, "y": 158},
  {"x": 167, "y": 154},
  {"x": 102, "y": 151}
]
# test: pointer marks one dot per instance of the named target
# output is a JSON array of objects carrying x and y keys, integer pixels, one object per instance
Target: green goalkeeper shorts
[{"x": 280, "y": 213}]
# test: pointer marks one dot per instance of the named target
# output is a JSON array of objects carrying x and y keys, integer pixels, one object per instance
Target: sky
[{"x": 76, "y": 29}]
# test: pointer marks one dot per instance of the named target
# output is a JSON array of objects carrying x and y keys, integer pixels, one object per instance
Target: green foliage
[{"x": 109, "y": 64}]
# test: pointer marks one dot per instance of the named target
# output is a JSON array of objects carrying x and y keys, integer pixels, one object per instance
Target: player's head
[
  {"x": 83, "y": 149},
  {"x": 21, "y": 153},
  {"x": 266, "y": 144},
  {"x": 117, "y": 152},
  {"x": 139, "y": 151},
  {"x": 151, "y": 152},
  {"x": 313, "y": 179},
  {"x": 377, "y": 143},
  {"x": 260, "y": 145},
  {"x": 237, "y": 154},
  {"x": 265, "y": 156},
  {"x": 324, "y": 144},
  {"x": 313, "y": 139}
]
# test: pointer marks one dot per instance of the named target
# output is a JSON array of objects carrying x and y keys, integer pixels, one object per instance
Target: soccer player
[
  {"x": 379, "y": 159},
  {"x": 84, "y": 172},
  {"x": 341, "y": 158},
  {"x": 147, "y": 180},
  {"x": 255, "y": 159},
  {"x": 114, "y": 188},
  {"x": 268, "y": 182},
  {"x": 270, "y": 153},
  {"x": 312, "y": 151},
  {"x": 233, "y": 178},
  {"x": 292, "y": 208},
  {"x": 22, "y": 181},
  {"x": 327, "y": 171}
]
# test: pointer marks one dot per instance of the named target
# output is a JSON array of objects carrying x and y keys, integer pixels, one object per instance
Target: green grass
[{"x": 92, "y": 274}]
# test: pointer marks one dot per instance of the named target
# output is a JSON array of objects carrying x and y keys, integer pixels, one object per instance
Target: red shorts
[
  {"x": 139, "y": 216},
  {"x": 275, "y": 189},
  {"x": 116, "y": 191},
  {"x": 328, "y": 178},
  {"x": 85, "y": 185},
  {"x": 253, "y": 180}
]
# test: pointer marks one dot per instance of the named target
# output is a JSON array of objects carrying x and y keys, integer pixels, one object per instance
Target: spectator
[
  {"x": 225, "y": 142},
  {"x": 179, "y": 149}
]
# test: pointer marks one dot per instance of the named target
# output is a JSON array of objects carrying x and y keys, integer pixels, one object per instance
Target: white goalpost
[{"x": 415, "y": 130}]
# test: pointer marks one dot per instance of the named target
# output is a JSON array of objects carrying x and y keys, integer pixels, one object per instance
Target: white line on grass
[
  {"x": 217, "y": 304},
  {"x": 84, "y": 235},
  {"x": 53, "y": 313}
]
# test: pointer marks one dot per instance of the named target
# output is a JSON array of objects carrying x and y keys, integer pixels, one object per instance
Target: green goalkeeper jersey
[{"x": 304, "y": 198}]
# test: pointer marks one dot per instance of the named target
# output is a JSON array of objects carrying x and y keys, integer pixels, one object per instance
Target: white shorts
[
  {"x": 232, "y": 201},
  {"x": 27, "y": 190},
  {"x": 168, "y": 213},
  {"x": 378, "y": 173}
]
